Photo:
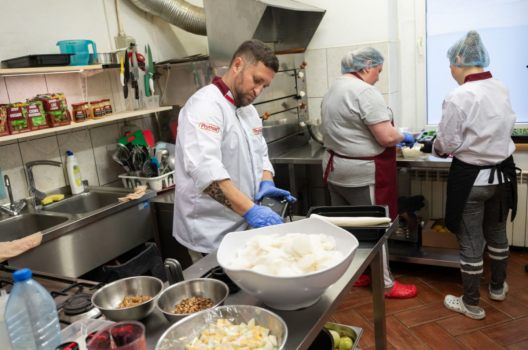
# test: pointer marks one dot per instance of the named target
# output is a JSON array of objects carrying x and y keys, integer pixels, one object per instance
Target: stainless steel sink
[
  {"x": 23, "y": 225},
  {"x": 85, "y": 203}
]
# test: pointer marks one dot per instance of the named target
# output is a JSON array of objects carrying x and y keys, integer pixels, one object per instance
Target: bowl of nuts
[{"x": 188, "y": 297}]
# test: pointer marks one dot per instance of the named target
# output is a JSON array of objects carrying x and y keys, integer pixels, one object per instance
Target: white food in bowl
[
  {"x": 413, "y": 152},
  {"x": 288, "y": 292},
  {"x": 288, "y": 255}
]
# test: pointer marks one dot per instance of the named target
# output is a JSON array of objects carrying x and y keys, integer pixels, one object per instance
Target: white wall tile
[
  {"x": 118, "y": 100},
  {"x": 395, "y": 105},
  {"x": 316, "y": 73},
  {"x": 314, "y": 107},
  {"x": 107, "y": 168},
  {"x": 383, "y": 84},
  {"x": 334, "y": 56},
  {"x": 4, "y": 97},
  {"x": 99, "y": 87},
  {"x": 69, "y": 84},
  {"x": 80, "y": 143},
  {"x": 24, "y": 87},
  {"x": 394, "y": 67},
  {"x": 11, "y": 164},
  {"x": 47, "y": 177}
]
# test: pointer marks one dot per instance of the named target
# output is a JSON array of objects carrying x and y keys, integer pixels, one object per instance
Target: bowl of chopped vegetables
[
  {"x": 128, "y": 299},
  {"x": 227, "y": 327},
  {"x": 188, "y": 297}
]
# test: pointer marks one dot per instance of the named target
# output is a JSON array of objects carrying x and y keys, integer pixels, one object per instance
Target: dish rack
[{"x": 132, "y": 179}]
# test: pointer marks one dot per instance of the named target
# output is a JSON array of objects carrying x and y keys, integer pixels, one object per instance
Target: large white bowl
[{"x": 288, "y": 292}]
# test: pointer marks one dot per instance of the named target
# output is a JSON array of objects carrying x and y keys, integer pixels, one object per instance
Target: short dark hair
[{"x": 256, "y": 51}]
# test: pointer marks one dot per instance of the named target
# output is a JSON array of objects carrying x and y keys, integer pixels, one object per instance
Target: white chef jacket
[
  {"x": 476, "y": 125},
  {"x": 216, "y": 141}
]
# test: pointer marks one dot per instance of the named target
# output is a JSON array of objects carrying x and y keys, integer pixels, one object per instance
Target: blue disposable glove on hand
[
  {"x": 259, "y": 216},
  {"x": 268, "y": 189},
  {"x": 408, "y": 140}
]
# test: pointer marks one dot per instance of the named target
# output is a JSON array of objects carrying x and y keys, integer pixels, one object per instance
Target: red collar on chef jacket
[
  {"x": 219, "y": 83},
  {"x": 478, "y": 76}
]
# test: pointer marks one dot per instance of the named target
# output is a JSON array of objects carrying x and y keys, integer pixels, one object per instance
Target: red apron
[{"x": 386, "y": 191}]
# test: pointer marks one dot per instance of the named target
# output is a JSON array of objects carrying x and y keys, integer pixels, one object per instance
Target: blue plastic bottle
[{"x": 30, "y": 316}]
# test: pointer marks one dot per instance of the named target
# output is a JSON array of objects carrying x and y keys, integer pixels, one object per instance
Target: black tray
[
  {"x": 51, "y": 60},
  {"x": 362, "y": 233},
  {"x": 520, "y": 138}
]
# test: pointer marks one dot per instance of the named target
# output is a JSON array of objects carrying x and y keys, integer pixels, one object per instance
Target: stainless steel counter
[
  {"x": 313, "y": 152},
  {"x": 305, "y": 324}
]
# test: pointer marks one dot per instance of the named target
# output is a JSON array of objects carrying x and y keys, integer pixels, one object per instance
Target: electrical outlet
[{"x": 124, "y": 41}]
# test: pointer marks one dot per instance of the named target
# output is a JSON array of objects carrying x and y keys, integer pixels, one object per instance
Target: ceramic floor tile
[
  {"x": 391, "y": 306},
  {"x": 447, "y": 287},
  {"x": 424, "y": 314},
  {"x": 509, "y": 306},
  {"x": 355, "y": 299},
  {"x": 516, "y": 268},
  {"x": 461, "y": 324},
  {"x": 519, "y": 283},
  {"x": 352, "y": 318},
  {"x": 523, "y": 345},
  {"x": 426, "y": 294},
  {"x": 389, "y": 347},
  {"x": 47, "y": 177},
  {"x": 520, "y": 296},
  {"x": 479, "y": 341},
  {"x": 437, "y": 338},
  {"x": 401, "y": 337},
  {"x": 509, "y": 333}
]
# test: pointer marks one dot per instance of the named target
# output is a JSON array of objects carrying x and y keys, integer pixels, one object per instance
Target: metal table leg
[{"x": 378, "y": 294}]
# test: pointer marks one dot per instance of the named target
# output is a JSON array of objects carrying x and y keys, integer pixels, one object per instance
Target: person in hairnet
[
  {"x": 476, "y": 126},
  {"x": 359, "y": 164}
]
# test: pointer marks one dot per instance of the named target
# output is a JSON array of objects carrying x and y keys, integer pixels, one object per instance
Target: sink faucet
[
  {"x": 36, "y": 194},
  {"x": 14, "y": 207}
]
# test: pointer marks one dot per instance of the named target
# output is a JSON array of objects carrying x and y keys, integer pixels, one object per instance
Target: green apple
[
  {"x": 345, "y": 343},
  {"x": 337, "y": 338}
]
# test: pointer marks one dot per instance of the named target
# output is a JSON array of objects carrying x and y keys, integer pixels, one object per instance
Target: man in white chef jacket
[{"x": 222, "y": 164}]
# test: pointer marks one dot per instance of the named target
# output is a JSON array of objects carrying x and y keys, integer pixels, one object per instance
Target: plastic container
[
  {"x": 80, "y": 50},
  {"x": 52, "y": 60},
  {"x": 133, "y": 179},
  {"x": 31, "y": 315},
  {"x": 80, "y": 330},
  {"x": 74, "y": 174},
  {"x": 4, "y": 345},
  {"x": 366, "y": 233}
]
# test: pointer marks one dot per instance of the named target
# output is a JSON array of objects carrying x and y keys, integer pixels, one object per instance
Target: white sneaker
[
  {"x": 498, "y": 297},
  {"x": 456, "y": 304}
]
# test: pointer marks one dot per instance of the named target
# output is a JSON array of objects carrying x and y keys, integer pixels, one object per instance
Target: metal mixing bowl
[
  {"x": 184, "y": 331},
  {"x": 108, "y": 298},
  {"x": 213, "y": 289}
]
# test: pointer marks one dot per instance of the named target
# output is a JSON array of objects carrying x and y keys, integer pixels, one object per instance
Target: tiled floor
[{"x": 424, "y": 322}]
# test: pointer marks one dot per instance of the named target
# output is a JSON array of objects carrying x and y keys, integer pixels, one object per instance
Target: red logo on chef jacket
[
  {"x": 257, "y": 131},
  {"x": 209, "y": 127}
]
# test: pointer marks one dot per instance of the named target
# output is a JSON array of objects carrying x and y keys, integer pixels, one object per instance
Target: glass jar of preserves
[
  {"x": 107, "y": 107},
  {"x": 97, "y": 110},
  {"x": 79, "y": 113}
]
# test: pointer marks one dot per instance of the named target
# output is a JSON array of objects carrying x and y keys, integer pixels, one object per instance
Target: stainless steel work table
[
  {"x": 305, "y": 324},
  {"x": 312, "y": 154}
]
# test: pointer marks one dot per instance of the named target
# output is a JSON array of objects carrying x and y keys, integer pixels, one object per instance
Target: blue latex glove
[
  {"x": 268, "y": 189},
  {"x": 259, "y": 216},
  {"x": 408, "y": 140}
]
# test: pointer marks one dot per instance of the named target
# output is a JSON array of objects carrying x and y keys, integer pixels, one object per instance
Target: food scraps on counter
[
  {"x": 289, "y": 255},
  {"x": 223, "y": 335},
  {"x": 133, "y": 300},
  {"x": 192, "y": 305}
]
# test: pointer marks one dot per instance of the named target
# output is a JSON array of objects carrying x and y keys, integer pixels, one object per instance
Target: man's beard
[{"x": 242, "y": 99}]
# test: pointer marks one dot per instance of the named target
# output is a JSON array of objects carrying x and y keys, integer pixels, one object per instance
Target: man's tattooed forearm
[{"x": 218, "y": 195}]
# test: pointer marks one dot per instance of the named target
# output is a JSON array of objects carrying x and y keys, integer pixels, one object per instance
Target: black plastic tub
[
  {"x": 362, "y": 233},
  {"x": 324, "y": 341},
  {"x": 52, "y": 60}
]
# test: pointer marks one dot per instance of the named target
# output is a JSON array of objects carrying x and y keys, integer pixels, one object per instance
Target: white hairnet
[
  {"x": 471, "y": 51},
  {"x": 361, "y": 58}
]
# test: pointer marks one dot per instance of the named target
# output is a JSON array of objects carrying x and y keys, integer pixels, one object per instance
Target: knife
[
  {"x": 127, "y": 75},
  {"x": 147, "y": 74},
  {"x": 135, "y": 70},
  {"x": 151, "y": 71}
]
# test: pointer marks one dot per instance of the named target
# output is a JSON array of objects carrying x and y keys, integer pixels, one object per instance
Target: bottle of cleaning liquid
[
  {"x": 31, "y": 315},
  {"x": 4, "y": 338},
  {"x": 74, "y": 174}
]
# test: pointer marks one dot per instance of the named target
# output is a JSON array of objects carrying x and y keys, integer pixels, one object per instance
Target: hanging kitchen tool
[
  {"x": 120, "y": 154},
  {"x": 135, "y": 70},
  {"x": 147, "y": 75},
  {"x": 150, "y": 71},
  {"x": 126, "y": 75},
  {"x": 139, "y": 157}
]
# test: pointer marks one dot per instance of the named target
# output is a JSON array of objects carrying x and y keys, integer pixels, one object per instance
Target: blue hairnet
[
  {"x": 356, "y": 60},
  {"x": 471, "y": 51}
]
